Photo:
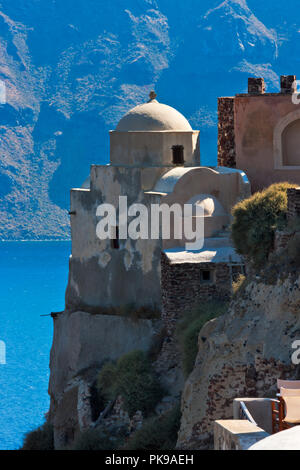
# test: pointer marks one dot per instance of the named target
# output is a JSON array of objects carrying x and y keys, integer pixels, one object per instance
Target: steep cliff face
[
  {"x": 82, "y": 342},
  {"x": 241, "y": 354}
]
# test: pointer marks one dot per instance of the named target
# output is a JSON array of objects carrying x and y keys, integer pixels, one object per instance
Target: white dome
[
  {"x": 210, "y": 204},
  {"x": 153, "y": 116}
]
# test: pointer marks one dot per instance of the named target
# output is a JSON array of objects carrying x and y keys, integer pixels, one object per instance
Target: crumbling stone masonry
[
  {"x": 256, "y": 86},
  {"x": 287, "y": 83},
  {"x": 182, "y": 287},
  {"x": 293, "y": 210},
  {"x": 226, "y": 139}
]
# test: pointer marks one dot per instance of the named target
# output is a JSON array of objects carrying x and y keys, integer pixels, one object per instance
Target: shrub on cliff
[
  {"x": 157, "y": 433},
  {"x": 39, "y": 439},
  {"x": 98, "y": 439},
  {"x": 239, "y": 285},
  {"x": 255, "y": 219},
  {"x": 189, "y": 327},
  {"x": 134, "y": 379},
  {"x": 106, "y": 382}
]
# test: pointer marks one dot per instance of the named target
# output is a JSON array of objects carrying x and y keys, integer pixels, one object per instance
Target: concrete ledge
[{"x": 236, "y": 434}]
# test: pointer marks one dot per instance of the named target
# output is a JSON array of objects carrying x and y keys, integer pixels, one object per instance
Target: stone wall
[
  {"x": 293, "y": 210},
  {"x": 181, "y": 290},
  {"x": 226, "y": 136},
  {"x": 182, "y": 287}
]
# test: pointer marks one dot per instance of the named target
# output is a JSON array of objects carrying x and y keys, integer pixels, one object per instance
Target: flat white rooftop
[{"x": 218, "y": 254}]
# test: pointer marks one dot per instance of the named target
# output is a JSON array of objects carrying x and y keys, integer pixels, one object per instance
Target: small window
[
  {"x": 205, "y": 275},
  {"x": 178, "y": 154},
  {"x": 114, "y": 241}
]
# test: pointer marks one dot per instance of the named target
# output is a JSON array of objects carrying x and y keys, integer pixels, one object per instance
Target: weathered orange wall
[{"x": 255, "y": 120}]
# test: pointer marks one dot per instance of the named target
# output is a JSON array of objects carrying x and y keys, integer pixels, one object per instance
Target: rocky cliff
[
  {"x": 241, "y": 354},
  {"x": 82, "y": 342}
]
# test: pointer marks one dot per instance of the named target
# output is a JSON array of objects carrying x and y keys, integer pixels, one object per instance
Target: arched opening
[{"x": 290, "y": 142}]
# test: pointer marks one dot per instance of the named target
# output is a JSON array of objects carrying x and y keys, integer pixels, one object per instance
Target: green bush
[
  {"x": 39, "y": 439},
  {"x": 99, "y": 439},
  {"x": 106, "y": 381},
  {"x": 189, "y": 327},
  {"x": 255, "y": 219},
  {"x": 93, "y": 439},
  {"x": 134, "y": 379},
  {"x": 157, "y": 433},
  {"x": 239, "y": 284}
]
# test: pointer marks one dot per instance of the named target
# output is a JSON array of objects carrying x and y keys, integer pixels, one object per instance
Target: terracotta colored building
[{"x": 259, "y": 133}]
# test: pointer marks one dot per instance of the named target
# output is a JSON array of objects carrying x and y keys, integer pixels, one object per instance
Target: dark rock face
[{"x": 71, "y": 71}]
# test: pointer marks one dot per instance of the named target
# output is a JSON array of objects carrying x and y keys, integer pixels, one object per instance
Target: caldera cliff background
[{"x": 73, "y": 68}]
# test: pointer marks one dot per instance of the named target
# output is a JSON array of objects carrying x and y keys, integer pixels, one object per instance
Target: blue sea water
[{"x": 33, "y": 277}]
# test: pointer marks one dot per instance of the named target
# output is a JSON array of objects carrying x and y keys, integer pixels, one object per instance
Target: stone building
[
  {"x": 154, "y": 158},
  {"x": 259, "y": 133}
]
